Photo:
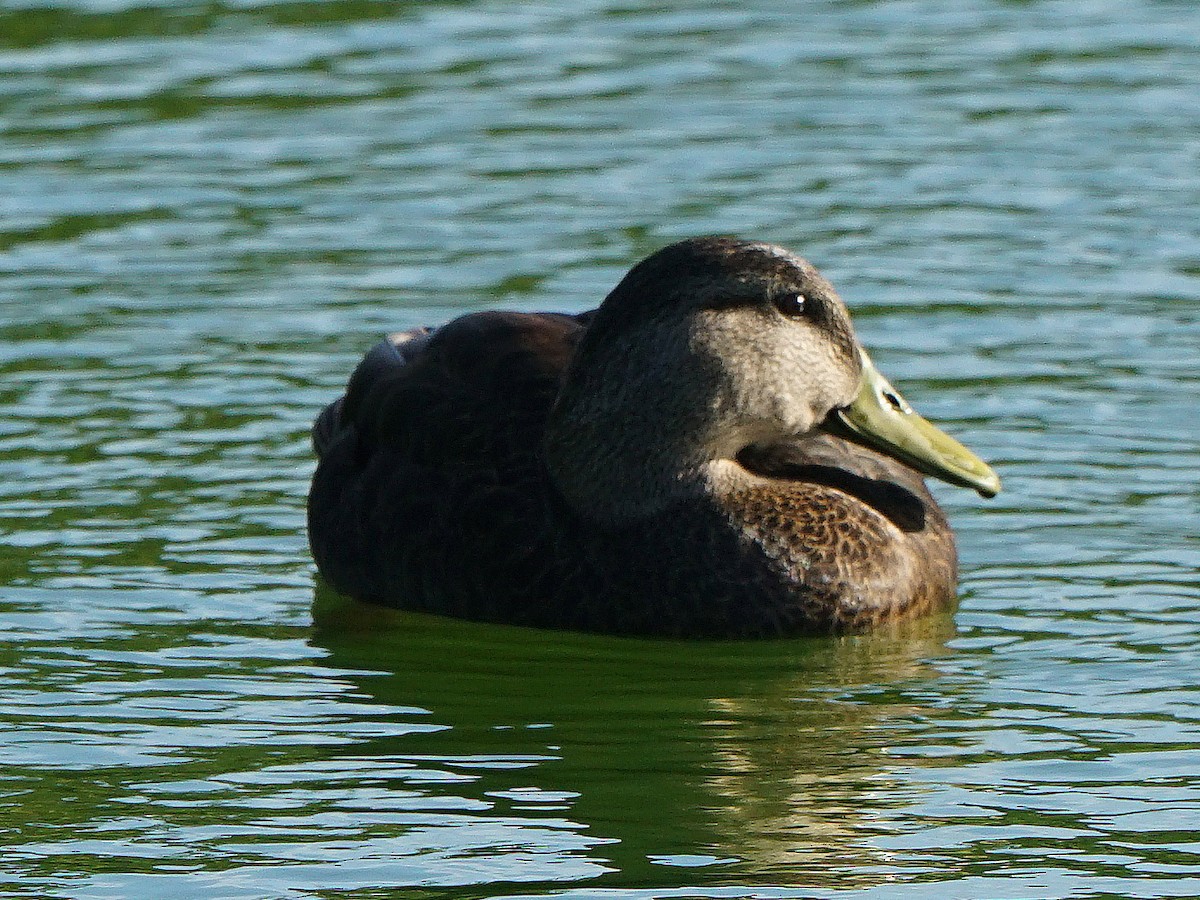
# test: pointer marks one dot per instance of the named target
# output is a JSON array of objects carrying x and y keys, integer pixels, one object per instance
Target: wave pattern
[{"x": 208, "y": 211}]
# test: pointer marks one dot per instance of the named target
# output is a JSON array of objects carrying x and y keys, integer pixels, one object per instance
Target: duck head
[{"x": 705, "y": 348}]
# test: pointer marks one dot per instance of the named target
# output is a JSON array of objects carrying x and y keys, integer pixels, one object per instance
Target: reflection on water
[
  {"x": 733, "y": 755},
  {"x": 207, "y": 213}
]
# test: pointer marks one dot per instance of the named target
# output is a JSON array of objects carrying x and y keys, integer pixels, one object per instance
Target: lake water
[{"x": 209, "y": 211}]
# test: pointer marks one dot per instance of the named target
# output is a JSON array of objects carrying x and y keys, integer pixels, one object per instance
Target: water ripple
[{"x": 208, "y": 211}]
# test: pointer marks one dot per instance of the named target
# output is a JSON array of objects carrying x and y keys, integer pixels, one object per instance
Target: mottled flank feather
[{"x": 433, "y": 493}]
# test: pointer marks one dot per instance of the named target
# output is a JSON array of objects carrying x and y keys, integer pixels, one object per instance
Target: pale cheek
[{"x": 820, "y": 382}]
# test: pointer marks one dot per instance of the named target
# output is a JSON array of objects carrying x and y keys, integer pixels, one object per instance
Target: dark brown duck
[{"x": 710, "y": 453}]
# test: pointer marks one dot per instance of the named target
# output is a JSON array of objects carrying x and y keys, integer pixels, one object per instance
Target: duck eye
[{"x": 791, "y": 304}]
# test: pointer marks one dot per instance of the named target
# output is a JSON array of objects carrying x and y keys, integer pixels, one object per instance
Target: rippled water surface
[{"x": 207, "y": 212}]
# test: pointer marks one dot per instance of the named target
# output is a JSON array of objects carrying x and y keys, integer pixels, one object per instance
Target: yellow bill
[{"x": 880, "y": 418}]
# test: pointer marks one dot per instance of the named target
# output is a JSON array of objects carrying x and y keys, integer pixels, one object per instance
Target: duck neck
[{"x": 619, "y": 450}]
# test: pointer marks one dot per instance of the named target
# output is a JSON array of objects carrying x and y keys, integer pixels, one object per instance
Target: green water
[{"x": 208, "y": 212}]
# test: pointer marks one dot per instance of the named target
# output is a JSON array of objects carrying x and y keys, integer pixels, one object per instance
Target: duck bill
[{"x": 881, "y": 419}]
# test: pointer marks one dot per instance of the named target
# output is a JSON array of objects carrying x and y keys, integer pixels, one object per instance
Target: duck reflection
[{"x": 769, "y": 759}]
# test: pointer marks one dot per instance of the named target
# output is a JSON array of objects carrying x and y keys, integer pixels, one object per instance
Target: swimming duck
[{"x": 711, "y": 452}]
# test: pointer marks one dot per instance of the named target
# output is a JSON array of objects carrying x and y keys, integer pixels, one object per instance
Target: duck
[{"x": 711, "y": 453}]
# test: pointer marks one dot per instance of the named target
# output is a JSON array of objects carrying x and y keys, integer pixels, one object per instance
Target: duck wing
[{"x": 436, "y": 441}]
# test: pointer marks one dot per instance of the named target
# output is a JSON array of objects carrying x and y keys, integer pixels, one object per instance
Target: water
[{"x": 207, "y": 212}]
